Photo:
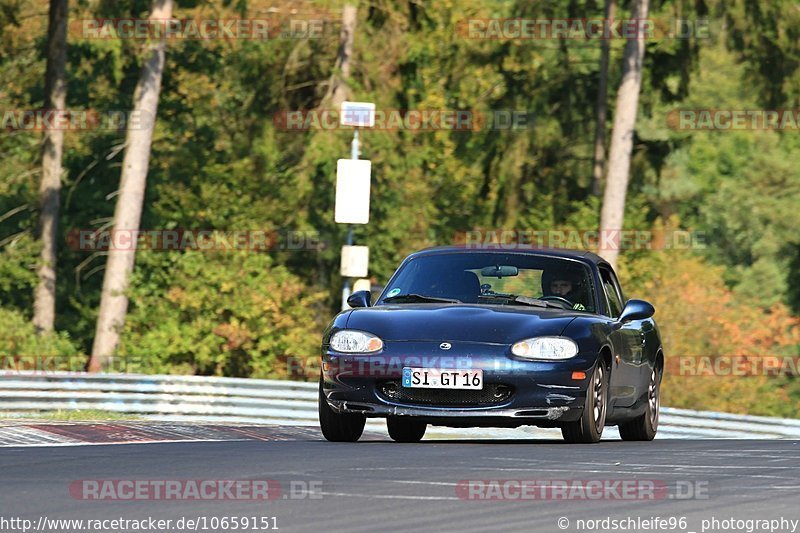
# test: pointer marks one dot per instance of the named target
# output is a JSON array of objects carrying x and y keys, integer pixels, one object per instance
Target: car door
[{"x": 626, "y": 344}]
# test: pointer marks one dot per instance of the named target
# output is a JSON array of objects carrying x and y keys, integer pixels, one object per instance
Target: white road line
[
  {"x": 656, "y": 465},
  {"x": 779, "y": 487},
  {"x": 412, "y": 482},
  {"x": 390, "y": 496},
  {"x": 62, "y": 444}
]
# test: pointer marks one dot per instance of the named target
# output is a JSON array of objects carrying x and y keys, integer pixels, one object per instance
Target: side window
[
  {"x": 612, "y": 296},
  {"x": 616, "y": 284}
]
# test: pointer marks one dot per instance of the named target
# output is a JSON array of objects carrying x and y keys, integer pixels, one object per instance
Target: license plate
[{"x": 436, "y": 378}]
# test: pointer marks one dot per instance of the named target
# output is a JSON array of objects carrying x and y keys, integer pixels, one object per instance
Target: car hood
[{"x": 465, "y": 323}]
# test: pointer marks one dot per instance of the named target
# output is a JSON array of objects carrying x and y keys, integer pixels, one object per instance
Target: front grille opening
[{"x": 492, "y": 393}]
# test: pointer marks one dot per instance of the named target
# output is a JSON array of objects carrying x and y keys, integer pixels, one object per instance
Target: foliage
[
  {"x": 218, "y": 313},
  {"x": 699, "y": 319},
  {"x": 17, "y": 338}
]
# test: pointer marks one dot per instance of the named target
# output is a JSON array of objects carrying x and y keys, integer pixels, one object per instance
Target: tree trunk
[
  {"x": 602, "y": 106},
  {"x": 337, "y": 88},
  {"x": 128, "y": 212},
  {"x": 44, "y": 299},
  {"x": 619, "y": 157}
]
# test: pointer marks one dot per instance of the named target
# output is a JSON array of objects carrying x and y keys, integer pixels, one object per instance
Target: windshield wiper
[
  {"x": 412, "y": 297},
  {"x": 524, "y": 300}
]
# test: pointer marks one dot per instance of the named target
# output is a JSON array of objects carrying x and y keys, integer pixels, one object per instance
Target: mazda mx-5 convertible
[{"x": 494, "y": 338}]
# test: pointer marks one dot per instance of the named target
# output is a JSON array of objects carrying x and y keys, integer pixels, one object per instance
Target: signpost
[
  {"x": 358, "y": 115},
  {"x": 355, "y": 261},
  {"x": 353, "y": 178},
  {"x": 352, "y": 191}
]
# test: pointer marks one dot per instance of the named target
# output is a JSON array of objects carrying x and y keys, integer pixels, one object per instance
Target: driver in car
[{"x": 562, "y": 285}]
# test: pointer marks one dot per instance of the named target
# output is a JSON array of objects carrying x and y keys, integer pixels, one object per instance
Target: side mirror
[
  {"x": 360, "y": 299},
  {"x": 636, "y": 310}
]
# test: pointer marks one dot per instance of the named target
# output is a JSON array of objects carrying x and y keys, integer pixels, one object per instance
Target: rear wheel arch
[
  {"x": 659, "y": 361},
  {"x": 607, "y": 357},
  {"x": 645, "y": 426}
]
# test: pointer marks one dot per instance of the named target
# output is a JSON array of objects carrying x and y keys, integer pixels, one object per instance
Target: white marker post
[
  {"x": 355, "y": 261},
  {"x": 353, "y": 178},
  {"x": 353, "y": 184}
]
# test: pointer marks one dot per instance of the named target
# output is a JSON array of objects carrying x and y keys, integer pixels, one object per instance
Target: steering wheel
[{"x": 558, "y": 299}]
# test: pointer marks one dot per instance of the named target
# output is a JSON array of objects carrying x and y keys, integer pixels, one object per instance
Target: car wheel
[
  {"x": 645, "y": 426},
  {"x": 339, "y": 427},
  {"x": 404, "y": 430},
  {"x": 589, "y": 428}
]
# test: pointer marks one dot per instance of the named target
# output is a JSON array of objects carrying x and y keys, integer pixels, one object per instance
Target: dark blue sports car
[{"x": 494, "y": 338}]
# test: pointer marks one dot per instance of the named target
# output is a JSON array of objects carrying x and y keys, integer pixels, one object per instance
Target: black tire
[
  {"x": 339, "y": 427},
  {"x": 589, "y": 428},
  {"x": 403, "y": 429},
  {"x": 645, "y": 427}
]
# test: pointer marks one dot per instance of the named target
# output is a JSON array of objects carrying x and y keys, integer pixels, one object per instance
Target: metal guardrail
[{"x": 198, "y": 398}]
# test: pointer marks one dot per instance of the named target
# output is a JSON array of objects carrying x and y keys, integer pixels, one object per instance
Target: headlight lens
[
  {"x": 548, "y": 348},
  {"x": 352, "y": 341}
]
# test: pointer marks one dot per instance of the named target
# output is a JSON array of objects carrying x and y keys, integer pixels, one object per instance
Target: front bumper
[{"x": 541, "y": 392}]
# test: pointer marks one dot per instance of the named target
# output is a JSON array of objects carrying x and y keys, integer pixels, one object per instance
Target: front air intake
[{"x": 491, "y": 394}]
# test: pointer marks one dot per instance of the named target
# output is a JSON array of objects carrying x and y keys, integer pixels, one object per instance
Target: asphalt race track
[{"x": 377, "y": 485}]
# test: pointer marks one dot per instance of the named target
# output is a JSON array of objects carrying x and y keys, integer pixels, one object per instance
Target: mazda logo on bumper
[{"x": 445, "y": 346}]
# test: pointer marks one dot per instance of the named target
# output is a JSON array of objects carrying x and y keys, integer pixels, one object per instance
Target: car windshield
[{"x": 493, "y": 279}]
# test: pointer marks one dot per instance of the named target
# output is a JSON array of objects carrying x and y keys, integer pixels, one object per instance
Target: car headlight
[
  {"x": 352, "y": 341},
  {"x": 549, "y": 348}
]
